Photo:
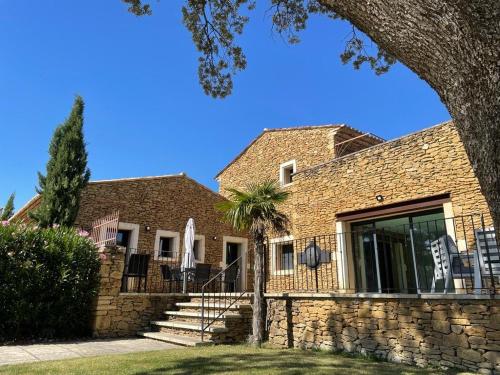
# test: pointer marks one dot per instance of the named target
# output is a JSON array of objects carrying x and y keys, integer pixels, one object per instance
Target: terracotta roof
[{"x": 266, "y": 130}]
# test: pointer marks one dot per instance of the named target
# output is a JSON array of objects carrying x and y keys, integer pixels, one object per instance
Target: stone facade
[
  {"x": 308, "y": 146},
  {"x": 425, "y": 164},
  {"x": 458, "y": 333},
  {"x": 124, "y": 314},
  {"x": 429, "y": 162},
  {"x": 153, "y": 204}
]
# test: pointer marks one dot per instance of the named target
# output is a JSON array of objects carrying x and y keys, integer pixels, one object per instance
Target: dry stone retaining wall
[
  {"x": 124, "y": 314},
  {"x": 458, "y": 333}
]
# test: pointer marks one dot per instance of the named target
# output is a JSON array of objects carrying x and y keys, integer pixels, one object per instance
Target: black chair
[
  {"x": 170, "y": 275},
  {"x": 137, "y": 267},
  {"x": 231, "y": 275},
  {"x": 201, "y": 275}
]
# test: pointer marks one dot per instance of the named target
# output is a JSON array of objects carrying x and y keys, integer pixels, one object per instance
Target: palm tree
[{"x": 255, "y": 210}]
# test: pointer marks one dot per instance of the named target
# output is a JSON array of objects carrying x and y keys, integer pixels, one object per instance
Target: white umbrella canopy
[{"x": 188, "y": 260}]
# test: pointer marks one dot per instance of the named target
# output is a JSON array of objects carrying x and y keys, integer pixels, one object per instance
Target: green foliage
[
  {"x": 137, "y": 8},
  {"x": 67, "y": 173},
  {"x": 215, "y": 24},
  {"x": 256, "y": 208},
  {"x": 355, "y": 51},
  {"x": 48, "y": 280},
  {"x": 8, "y": 209}
]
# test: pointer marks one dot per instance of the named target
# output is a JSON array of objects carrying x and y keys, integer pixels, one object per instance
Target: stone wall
[
  {"x": 124, "y": 314},
  {"x": 427, "y": 163},
  {"x": 160, "y": 203},
  {"x": 459, "y": 333},
  {"x": 308, "y": 146}
]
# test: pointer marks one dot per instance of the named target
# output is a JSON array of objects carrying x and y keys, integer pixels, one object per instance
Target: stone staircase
[{"x": 183, "y": 326}]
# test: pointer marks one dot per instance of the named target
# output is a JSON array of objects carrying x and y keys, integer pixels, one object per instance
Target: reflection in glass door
[{"x": 384, "y": 251}]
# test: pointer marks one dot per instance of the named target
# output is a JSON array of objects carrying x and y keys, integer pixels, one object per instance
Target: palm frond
[{"x": 256, "y": 207}]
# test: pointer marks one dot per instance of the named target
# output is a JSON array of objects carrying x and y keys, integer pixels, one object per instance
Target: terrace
[{"x": 411, "y": 255}]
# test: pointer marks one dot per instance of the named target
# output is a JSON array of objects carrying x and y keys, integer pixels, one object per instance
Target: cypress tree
[
  {"x": 8, "y": 210},
  {"x": 67, "y": 172}
]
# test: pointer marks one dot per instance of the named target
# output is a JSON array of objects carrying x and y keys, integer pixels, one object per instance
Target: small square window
[
  {"x": 287, "y": 171},
  {"x": 123, "y": 237},
  {"x": 167, "y": 247}
]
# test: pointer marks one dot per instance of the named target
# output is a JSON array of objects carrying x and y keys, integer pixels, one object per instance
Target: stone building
[
  {"x": 390, "y": 251},
  {"x": 344, "y": 185},
  {"x": 153, "y": 212},
  {"x": 383, "y": 239}
]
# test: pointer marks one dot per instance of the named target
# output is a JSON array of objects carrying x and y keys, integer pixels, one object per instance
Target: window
[
  {"x": 166, "y": 244},
  {"x": 285, "y": 257},
  {"x": 286, "y": 172},
  {"x": 383, "y": 251},
  {"x": 282, "y": 252},
  {"x": 166, "y": 247},
  {"x": 123, "y": 237},
  {"x": 128, "y": 235},
  {"x": 199, "y": 248}
]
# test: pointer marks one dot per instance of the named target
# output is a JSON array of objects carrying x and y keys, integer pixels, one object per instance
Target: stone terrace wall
[
  {"x": 446, "y": 333},
  {"x": 121, "y": 314}
]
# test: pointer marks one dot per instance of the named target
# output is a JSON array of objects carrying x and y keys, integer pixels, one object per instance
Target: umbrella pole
[{"x": 184, "y": 282}]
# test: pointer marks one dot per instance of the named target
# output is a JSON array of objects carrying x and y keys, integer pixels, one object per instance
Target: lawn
[{"x": 218, "y": 360}]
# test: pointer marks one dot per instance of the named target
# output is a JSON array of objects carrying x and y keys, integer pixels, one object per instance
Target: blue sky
[{"x": 145, "y": 111}]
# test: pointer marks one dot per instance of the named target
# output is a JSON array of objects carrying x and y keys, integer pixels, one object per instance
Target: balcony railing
[
  {"x": 146, "y": 271},
  {"x": 453, "y": 255}
]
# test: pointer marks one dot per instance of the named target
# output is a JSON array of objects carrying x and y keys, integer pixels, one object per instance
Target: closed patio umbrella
[{"x": 188, "y": 260}]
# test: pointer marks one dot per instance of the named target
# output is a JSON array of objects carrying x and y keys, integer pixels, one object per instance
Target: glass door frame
[{"x": 373, "y": 232}]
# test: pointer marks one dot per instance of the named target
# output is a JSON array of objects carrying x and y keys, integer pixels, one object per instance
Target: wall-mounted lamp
[
  {"x": 214, "y": 238},
  {"x": 148, "y": 228},
  {"x": 379, "y": 198}
]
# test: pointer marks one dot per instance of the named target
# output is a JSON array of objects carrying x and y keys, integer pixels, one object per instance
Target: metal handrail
[{"x": 227, "y": 305}]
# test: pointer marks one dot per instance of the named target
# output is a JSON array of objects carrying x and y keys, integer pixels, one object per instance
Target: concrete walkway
[{"x": 10, "y": 355}]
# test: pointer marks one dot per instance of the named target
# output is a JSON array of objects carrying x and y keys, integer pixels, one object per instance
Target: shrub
[{"x": 48, "y": 279}]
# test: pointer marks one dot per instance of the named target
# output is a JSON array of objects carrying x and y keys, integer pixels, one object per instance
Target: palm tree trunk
[{"x": 258, "y": 299}]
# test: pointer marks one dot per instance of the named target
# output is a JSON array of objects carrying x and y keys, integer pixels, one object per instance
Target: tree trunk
[
  {"x": 454, "y": 46},
  {"x": 258, "y": 299}
]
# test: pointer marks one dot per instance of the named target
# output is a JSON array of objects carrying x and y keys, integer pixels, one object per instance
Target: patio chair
[
  {"x": 231, "y": 275},
  {"x": 448, "y": 262},
  {"x": 171, "y": 276},
  {"x": 201, "y": 275},
  {"x": 137, "y": 267},
  {"x": 488, "y": 254}
]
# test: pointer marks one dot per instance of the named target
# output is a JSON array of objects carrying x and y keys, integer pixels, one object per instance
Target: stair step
[
  {"x": 188, "y": 326},
  {"x": 211, "y": 306},
  {"x": 193, "y": 314},
  {"x": 174, "y": 339}
]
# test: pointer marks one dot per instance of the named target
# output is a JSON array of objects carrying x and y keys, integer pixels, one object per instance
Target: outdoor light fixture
[
  {"x": 148, "y": 228},
  {"x": 379, "y": 198},
  {"x": 214, "y": 238}
]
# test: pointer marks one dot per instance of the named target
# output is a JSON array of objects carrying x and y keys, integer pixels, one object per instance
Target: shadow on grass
[{"x": 289, "y": 362}]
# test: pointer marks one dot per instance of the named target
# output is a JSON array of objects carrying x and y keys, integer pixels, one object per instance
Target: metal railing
[
  {"x": 146, "y": 271},
  {"x": 220, "y": 293},
  {"x": 452, "y": 255}
]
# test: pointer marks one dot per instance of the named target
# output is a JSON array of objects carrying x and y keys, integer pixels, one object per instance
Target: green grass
[{"x": 218, "y": 360}]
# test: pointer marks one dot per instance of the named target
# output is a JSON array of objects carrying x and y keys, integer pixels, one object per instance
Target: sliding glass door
[{"x": 384, "y": 252}]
